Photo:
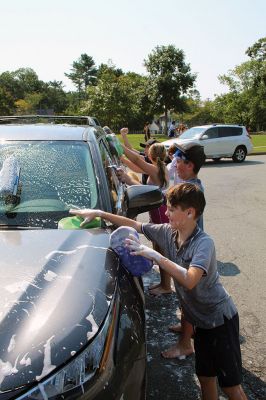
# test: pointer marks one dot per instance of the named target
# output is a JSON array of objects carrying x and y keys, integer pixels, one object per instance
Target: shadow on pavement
[{"x": 227, "y": 268}]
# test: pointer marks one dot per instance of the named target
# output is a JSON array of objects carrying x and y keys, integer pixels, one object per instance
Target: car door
[
  {"x": 229, "y": 138},
  {"x": 116, "y": 188},
  {"x": 211, "y": 142}
]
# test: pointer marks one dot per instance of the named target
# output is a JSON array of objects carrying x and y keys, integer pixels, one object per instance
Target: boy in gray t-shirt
[{"x": 189, "y": 257}]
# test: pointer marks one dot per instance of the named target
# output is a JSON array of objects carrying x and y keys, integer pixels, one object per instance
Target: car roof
[
  {"x": 213, "y": 125},
  {"x": 230, "y": 125},
  {"x": 46, "y": 132}
]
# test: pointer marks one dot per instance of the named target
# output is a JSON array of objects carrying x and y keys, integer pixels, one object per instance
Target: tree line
[{"x": 119, "y": 98}]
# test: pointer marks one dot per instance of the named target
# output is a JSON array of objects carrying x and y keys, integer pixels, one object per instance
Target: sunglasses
[{"x": 181, "y": 155}]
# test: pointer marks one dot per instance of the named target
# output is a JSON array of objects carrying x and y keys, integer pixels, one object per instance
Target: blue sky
[{"x": 49, "y": 35}]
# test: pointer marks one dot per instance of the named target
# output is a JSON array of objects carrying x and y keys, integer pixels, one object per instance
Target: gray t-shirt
[{"x": 208, "y": 302}]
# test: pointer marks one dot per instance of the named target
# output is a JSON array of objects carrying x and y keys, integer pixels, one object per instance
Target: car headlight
[{"x": 81, "y": 369}]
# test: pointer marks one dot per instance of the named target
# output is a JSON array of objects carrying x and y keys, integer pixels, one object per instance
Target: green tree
[
  {"x": 23, "y": 92},
  {"x": 169, "y": 79},
  {"x": 258, "y": 50},
  {"x": 20, "y": 82},
  {"x": 200, "y": 112},
  {"x": 109, "y": 67},
  {"x": 246, "y": 101},
  {"x": 7, "y": 104},
  {"x": 232, "y": 108},
  {"x": 119, "y": 99},
  {"x": 15, "y": 86},
  {"x": 73, "y": 103},
  {"x": 83, "y": 73},
  {"x": 54, "y": 97}
]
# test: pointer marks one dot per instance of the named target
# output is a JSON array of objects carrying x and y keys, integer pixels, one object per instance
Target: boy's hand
[
  {"x": 138, "y": 249},
  {"x": 88, "y": 214}
]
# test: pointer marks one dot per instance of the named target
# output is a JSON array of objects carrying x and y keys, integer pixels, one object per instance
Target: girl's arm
[
  {"x": 137, "y": 159},
  {"x": 124, "y": 132},
  {"x": 131, "y": 165},
  {"x": 89, "y": 214}
]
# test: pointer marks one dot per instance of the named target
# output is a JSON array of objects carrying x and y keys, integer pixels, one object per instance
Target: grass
[{"x": 258, "y": 141}]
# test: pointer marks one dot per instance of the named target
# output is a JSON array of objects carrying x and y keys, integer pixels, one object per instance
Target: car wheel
[
  {"x": 239, "y": 154},
  {"x": 217, "y": 159}
]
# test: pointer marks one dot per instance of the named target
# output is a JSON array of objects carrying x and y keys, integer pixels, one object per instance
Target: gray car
[{"x": 72, "y": 321}]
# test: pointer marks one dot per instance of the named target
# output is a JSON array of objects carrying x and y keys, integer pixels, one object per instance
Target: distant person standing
[
  {"x": 171, "y": 130},
  {"x": 146, "y": 131},
  {"x": 181, "y": 128}
]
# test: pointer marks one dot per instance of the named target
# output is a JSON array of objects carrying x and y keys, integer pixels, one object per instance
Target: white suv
[{"x": 219, "y": 141}]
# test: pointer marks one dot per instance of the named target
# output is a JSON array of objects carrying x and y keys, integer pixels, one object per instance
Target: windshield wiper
[{"x": 19, "y": 227}]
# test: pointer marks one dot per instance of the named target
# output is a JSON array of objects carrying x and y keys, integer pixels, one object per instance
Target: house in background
[{"x": 154, "y": 128}]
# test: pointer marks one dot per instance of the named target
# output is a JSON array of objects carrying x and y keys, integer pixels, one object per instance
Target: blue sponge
[{"x": 137, "y": 265}]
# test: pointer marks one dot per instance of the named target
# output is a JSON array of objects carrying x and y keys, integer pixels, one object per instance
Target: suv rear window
[{"x": 225, "y": 131}]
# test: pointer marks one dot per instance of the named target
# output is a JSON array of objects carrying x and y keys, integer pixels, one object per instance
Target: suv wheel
[{"x": 239, "y": 154}]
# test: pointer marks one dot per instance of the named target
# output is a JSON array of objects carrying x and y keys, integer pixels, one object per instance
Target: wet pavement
[{"x": 175, "y": 379}]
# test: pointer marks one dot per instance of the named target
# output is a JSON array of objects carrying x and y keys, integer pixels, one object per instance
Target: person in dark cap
[
  {"x": 149, "y": 142},
  {"x": 193, "y": 156},
  {"x": 189, "y": 159}
]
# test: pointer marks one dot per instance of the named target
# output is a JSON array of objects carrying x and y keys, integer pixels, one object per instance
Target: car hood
[
  {"x": 56, "y": 288},
  {"x": 169, "y": 142}
]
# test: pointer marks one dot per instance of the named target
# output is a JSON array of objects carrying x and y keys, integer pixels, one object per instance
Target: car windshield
[
  {"x": 193, "y": 133},
  {"x": 46, "y": 179}
]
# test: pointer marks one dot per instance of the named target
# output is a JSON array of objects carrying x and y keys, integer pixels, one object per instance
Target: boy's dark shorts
[{"x": 217, "y": 352}]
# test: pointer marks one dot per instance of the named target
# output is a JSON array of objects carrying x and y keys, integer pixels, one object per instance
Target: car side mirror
[
  {"x": 204, "y": 137},
  {"x": 142, "y": 198}
]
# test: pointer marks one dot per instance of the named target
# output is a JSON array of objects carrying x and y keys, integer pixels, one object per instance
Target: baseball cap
[
  {"x": 149, "y": 142},
  {"x": 193, "y": 152}
]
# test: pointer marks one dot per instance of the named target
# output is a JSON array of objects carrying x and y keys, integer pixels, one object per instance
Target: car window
[
  {"x": 211, "y": 133},
  {"x": 192, "y": 133},
  {"x": 54, "y": 177},
  {"x": 225, "y": 131},
  {"x": 110, "y": 163}
]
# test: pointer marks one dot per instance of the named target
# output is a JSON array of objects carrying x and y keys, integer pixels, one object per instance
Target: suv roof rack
[
  {"x": 76, "y": 119},
  {"x": 222, "y": 123}
]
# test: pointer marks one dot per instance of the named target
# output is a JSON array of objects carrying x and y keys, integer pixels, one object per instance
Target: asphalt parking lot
[{"x": 235, "y": 217}]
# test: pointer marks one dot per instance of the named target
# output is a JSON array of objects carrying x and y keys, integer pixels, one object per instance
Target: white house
[{"x": 154, "y": 128}]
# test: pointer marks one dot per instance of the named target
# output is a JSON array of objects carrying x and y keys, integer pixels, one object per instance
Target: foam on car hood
[{"x": 56, "y": 288}]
